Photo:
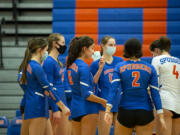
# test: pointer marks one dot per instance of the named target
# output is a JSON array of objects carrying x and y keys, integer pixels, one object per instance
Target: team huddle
[{"x": 77, "y": 99}]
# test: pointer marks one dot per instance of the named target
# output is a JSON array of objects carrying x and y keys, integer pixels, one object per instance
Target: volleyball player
[
  {"x": 68, "y": 93},
  {"x": 133, "y": 77},
  {"x": 168, "y": 69},
  {"x": 36, "y": 105},
  {"x": 24, "y": 126},
  {"x": 100, "y": 68},
  {"x": 84, "y": 107},
  {"x": 54, "y": 71},
  {"x": 22, "y": 104}
]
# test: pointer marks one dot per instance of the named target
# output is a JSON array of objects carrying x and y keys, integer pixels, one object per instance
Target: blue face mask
[
  {"x": 45, "y": 56},
  {"x": 110, "y": 50}
]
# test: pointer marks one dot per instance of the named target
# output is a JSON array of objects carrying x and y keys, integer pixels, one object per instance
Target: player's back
[
  {"x": 36, "y": 101},
  {"x": 33, "y": 85},
  {"x": 81, "y": 83},
  {"x": 135, "y": 78},
  {"x": 76, "y": 76},
  {"x": 168, "y": 68}
]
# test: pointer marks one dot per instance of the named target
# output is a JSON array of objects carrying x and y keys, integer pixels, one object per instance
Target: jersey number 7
[{"x": 136, "y": 76}]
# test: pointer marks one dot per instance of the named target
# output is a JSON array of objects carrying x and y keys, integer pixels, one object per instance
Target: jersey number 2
[
  {"x": 70, "y": 78},
  {"x": 175, "y": 72},
  {"x": 136, "y": 76}
]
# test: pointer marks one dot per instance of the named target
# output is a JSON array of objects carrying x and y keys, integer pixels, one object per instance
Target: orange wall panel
[
  {"x": 155, "y": 27},
  {"x": 86, "y": 14},
  {"x": 120, "y": 3},
  {"x": 155, "y": 14}
]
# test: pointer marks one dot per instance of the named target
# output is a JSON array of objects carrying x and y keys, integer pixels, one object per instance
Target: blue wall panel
[
  {"x": 121, "y": 38},
  {"x": 121, "y": 14},
  {"x": 64, "y": 4},
  {"x": 64, "y": 15},
  {"x": 129, "y": 27}
]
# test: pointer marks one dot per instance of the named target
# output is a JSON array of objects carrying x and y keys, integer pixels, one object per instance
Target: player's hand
[
  {"x": 66, "y": 111},
  {"x": 46, "y": 93},
  {"x": 108, "y": 118},
  {"x": 101, "y": 62},
  {"x": 56, "y": 117},
  {"x": 104, "y": 102},
  {"x": 162, "y": 122}
]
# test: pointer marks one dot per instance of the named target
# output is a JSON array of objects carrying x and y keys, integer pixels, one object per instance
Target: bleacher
[{"x": 23, "y": 19}]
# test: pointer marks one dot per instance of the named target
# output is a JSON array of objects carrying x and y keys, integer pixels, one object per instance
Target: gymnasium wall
[{"x": 146, "y": 20}]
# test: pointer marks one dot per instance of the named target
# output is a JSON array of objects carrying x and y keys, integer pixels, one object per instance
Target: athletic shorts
[
  {"x": 175, "y": 115},
  {"x": 78, "y": 119},
  {"x": 22, "y": 110},
  {"x": 132, "y": 118}
]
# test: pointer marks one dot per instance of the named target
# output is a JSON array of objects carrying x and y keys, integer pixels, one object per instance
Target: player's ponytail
[
  {"x": 75, "y": 48},
  {"x": 33, "y": 45},
  {"x": 24, "y": 64},
  {"x": 73, "y": 52}
]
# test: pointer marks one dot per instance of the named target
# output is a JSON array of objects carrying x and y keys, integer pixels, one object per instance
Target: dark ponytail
[
  {"x": 33, "y": 45},
  {"x": 27, "y": 58},
  {"x": 75, "y": 48}
]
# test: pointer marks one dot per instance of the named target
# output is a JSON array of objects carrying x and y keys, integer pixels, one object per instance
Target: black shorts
[
  {"x": 78, "y": 119},
  {"x": 132, "y": 118},
  {"x": 22, "y": 110},
  {"x": 175, "y": 115}
]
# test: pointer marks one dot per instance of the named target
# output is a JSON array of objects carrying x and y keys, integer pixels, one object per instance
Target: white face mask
[
  {"x": 110, "y": 50},
  {"x": 45, "y": 56}
]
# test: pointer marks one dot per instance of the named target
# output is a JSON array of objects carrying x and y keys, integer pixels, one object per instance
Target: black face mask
[{"x": 61, "y": 49}]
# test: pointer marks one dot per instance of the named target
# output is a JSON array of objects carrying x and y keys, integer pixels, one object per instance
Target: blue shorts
[
  {"x": 36, "y": 107},
  {"x": 80, "y": 107}
]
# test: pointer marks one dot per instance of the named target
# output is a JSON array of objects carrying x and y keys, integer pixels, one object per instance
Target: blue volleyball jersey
[
  {"x": 36, "y": 100},
  {"x": 81, "y": 83},
  {"x": 133, "y": 79},
  {"x": 104, "y": 81},
  {"x": 55, "y": 76},
  {"x": 23, "y": 87},
  {"x": 67, "y": 89}
]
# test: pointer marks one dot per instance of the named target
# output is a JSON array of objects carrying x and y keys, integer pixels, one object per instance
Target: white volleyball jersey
[{"x": 168, "y": 70}]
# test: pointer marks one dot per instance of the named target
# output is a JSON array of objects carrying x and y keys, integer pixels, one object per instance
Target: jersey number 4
[
  {"x": 136, "y": 76},
  {"x": 175, "y": 72}
]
